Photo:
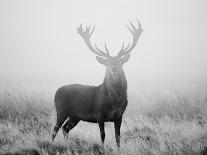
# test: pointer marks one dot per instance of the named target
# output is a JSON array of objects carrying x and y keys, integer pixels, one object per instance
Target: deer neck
[{"x": 115, "y": 88}]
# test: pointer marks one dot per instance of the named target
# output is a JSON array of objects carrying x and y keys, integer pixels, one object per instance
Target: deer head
[{"x": 113, "y": 63}]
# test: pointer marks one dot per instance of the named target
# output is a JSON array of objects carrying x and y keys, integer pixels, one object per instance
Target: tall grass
[{"x": 157, "y": 122}]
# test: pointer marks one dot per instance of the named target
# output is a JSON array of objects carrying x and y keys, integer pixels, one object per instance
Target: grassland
[{"x": 163, "y": 121}]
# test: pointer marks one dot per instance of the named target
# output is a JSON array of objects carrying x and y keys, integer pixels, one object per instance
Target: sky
[{"x": 39, "y": 38}]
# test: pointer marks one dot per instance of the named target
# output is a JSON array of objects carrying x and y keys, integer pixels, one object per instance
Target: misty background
[{"x": 39, "y": 41}]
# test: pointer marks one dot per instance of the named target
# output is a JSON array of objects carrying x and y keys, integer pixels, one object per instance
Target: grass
[{"x": 156, "y": 122}]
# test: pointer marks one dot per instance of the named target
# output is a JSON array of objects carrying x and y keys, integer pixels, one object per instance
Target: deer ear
[
  {"x": 101, "y": 60},
  {"x": 125, "y": 58}
]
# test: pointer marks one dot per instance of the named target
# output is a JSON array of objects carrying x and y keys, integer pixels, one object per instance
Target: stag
[{"x": 97, "y": 104}]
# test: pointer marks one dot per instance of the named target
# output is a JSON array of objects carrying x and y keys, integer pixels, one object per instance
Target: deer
[{"x": 97, "y": 104}]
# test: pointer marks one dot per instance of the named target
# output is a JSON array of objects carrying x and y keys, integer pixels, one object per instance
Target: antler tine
[
  {"x": 133, "y": 27},
  {"x": 136, "y": 32},
  {"x": 86, "y": 34},
  {"x": 123, "y": 49},
  {"x": 107, "y": 51},
  {"x": 98, "y": 49},
  {"x": 129, "y": 29},
  {"x": 92, "y": 30},
  {"x": 140, "y": 25},
  {"x": 127, "y": 47}
]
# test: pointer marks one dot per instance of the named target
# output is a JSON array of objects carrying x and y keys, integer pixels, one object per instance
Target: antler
[
  {"x": 136, "y": 32},
  {"x": 86, "y": 37}
]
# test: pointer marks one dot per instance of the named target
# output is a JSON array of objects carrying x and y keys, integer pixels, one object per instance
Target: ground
[{"x": 170, "y": 123}]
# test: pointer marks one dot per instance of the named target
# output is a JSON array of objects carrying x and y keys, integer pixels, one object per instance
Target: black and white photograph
[{"x": 103, "y": 77}]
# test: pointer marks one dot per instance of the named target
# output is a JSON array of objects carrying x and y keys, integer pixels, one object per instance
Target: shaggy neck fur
[{"x": 115, "y": 87}]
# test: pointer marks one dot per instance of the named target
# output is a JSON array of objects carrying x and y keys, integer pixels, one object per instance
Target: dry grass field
[{"x": 162, "y": 121}]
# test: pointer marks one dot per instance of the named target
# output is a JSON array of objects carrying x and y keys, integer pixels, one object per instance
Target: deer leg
[
  {"x": 57, "y": 127},
  {"x": 61, "y": 117},
  {"x": 117, "y": 126},
  {"x": 70, "y": 124},
  {"x": 102, "y": 131},
  {"x": 55, "y": 130}
]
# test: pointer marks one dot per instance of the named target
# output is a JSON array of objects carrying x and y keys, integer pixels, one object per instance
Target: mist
[
  {"x": 39, "y": 39},
  {"x": 163, "y": 102}
]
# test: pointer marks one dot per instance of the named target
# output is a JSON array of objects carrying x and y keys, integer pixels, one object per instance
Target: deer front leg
[
  {"x": 117, "y": 126},
  {"x": 102, "y": 131}
]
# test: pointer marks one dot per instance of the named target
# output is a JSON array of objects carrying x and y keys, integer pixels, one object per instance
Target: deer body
[
  {"x": 91, "y": 103},
  {"x": 97, "y": 104},
  {"x": 77, "y": 101}
]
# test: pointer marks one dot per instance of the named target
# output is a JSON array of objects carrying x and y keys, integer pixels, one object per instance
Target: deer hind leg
[
  {"x": 59, "y": 123},
  {"x": 70, "y": 124}
]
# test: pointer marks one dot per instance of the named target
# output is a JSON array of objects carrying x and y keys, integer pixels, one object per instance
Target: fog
[{"x": 38, "y": 39}]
